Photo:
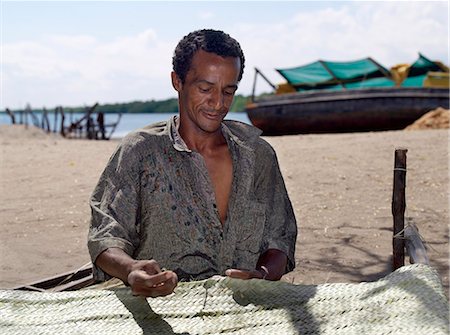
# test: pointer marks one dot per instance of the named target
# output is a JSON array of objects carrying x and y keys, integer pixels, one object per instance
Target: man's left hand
[
  {"x": 271, "y": 266},
  {"x": 244, "y": 274}
]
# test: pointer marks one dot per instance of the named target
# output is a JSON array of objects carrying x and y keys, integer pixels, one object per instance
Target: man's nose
[{"x": 218, "y": 100}]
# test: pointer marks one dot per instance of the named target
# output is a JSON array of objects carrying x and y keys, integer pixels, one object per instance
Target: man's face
[{"x": 208, "y": 91}]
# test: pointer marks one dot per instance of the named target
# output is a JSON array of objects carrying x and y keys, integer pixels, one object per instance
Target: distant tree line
[{"x": 152, "y": 106}]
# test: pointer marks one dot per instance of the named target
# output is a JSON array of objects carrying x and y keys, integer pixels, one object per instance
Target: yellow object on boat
[
  {"x": 285, "y": 88},
  {"x": 399, "y": 72},
  {"x": 437, "y": 79}
]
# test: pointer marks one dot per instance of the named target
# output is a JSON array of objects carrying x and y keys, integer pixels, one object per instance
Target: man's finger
[
  {"x": 157, "y": 279},
  {"x": 164, "y": 289},
  {"x": 242, "y": 274},
  {"x": 155, "y": 285},
  {"x": 152, "y": 267}
]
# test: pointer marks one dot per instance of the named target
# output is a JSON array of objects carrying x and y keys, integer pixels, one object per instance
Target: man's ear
[{"x": 176, "y": 82}]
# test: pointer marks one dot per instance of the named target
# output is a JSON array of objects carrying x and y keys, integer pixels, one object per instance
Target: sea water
[{"x": 127, "y": 123}]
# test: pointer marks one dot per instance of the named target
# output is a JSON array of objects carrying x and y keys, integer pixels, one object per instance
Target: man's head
[
  {"x": 208, "y": 65},
  {"x": 213, "y": 41}
]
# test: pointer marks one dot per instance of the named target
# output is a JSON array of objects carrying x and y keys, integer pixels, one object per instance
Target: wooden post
[
  {"x": 34, "y": 119},
  {"x": 27, "y": 112},
  {"x": 101, "y": 125},
  {"x": 398, "y": 208},
  {"x": 55, "y": 123},
  {"x": 63, "y": 130},
  {"x": 45, "y": 121},
  {"x": 254, "y": 82},
  {"x": 11, "y": 114},
  {"x": 43, "y": 115}
]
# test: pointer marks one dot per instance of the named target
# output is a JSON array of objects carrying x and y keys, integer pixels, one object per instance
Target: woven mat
[{"x": 408, "y": 301}]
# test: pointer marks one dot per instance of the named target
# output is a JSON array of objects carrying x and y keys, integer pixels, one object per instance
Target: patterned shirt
[{"x": 155, "y": 200}]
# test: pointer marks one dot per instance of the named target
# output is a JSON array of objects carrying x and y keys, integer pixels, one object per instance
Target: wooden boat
[
  {"x": 68, "y": 281},
  {"x": 361, "y": 95},
  {"x": 365, "y": 109}
]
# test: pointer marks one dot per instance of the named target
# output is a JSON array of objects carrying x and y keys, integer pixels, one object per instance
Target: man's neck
[{"x": 200, "y": 141}]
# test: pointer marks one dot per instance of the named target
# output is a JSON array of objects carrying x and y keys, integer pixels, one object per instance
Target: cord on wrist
[{"x": 264, "y": 271}]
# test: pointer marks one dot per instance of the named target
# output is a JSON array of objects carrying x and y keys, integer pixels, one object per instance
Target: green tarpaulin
[
  {"x": 418, "y": 72},
  {"x": 422, "y": 66},
  {"x": 362, "y": 73},
  {"x": 416, "y": 81},
  {"x": 337, "y": 75}
]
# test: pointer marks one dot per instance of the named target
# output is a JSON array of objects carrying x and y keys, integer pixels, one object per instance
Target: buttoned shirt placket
[{"x": 203, "y": 178}]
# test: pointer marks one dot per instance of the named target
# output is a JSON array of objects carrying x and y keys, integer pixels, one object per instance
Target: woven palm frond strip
[{"x": 410, "y": 300}]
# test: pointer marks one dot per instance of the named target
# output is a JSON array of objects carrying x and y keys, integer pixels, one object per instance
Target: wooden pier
[{"x": 90, "y": 126}]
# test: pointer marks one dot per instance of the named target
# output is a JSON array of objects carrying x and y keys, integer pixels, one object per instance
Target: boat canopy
[
  {"x": 418, "y": 71},
  {"x": 338, "y": 75},
  {"x": 362, "y": 73},
  {"x": 422, "y": 66}
]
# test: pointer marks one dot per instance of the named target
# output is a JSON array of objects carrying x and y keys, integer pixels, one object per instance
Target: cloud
[
  {"x": 206, "y": 15},
  {"x": 72, "y": 42},
  {"x": 82, "y": 67},
  {"x": 389, "y": 32},
  {"x": 75, "y": 69}
]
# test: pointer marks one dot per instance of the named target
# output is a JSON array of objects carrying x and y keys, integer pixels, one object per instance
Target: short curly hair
[{"x": 209, "y": 40}]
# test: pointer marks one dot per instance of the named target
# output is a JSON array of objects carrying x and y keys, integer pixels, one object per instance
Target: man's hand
[
  {"x": 147, "y": 279},
  {"x": 271, "y": 266},
  {"x": 144, "y": 276},
  {"x": 244, "y": 274}
]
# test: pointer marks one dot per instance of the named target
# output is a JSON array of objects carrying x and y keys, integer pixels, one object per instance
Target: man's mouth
[{"x": 214, "y": 116}]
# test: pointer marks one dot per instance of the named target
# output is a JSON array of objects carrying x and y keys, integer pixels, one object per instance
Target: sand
[{"x": 340, "y": 186}]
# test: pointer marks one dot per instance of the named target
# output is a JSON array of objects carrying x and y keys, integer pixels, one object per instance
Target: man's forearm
[
  {"x": 116, "y": 263},
  {"x": 272, "y": 264}
]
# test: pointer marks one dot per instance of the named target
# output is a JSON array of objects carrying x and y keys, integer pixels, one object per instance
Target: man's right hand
[{"x": 146, "y": 278}]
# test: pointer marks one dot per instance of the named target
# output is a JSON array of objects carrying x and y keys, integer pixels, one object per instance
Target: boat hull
[{"x": 345, "y": 111}]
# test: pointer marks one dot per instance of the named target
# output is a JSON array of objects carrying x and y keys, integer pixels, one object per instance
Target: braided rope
[{"x": 409, "y": 300}]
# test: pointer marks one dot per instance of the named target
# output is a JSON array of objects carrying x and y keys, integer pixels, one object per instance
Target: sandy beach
[{"x": 340, "y": 186}]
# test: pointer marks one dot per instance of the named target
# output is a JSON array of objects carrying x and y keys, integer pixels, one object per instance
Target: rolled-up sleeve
[
  {"x": 115, "y": 206},
  {"x": 280, "y": 231}
]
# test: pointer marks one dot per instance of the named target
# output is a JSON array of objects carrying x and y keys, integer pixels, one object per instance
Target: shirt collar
[
  {"x": 240, "y": 133},
  {"x": 233, "y": 131},
  {"x": 177, "y": 140}
]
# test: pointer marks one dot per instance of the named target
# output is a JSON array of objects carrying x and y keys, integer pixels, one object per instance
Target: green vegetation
[
  {"x": 239, "y": 103},
  {"x": 152, "y": 106}
]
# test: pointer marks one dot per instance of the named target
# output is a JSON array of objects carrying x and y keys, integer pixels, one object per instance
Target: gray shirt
[{"x": 155, "y": 200}]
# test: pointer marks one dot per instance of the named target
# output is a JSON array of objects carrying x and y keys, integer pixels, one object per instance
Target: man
[{"x": 196, "y": 195}]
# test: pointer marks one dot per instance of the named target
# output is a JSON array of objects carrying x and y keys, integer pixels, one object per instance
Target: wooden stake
[{"x": 398, "y": 208}]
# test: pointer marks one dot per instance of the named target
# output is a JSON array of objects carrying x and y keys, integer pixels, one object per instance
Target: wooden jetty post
[
  {"x": 398, "y": 208},
  {"x": 11, "y": 115},
  {"x": 55, "y": 123},
  {"x": 63, "y": 117},
  {"x": 45, "y": 124},
  {"x": 95, "y": 127}
]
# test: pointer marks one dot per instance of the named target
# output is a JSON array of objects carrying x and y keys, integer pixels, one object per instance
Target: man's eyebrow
[{"x": 204, "y": 81}]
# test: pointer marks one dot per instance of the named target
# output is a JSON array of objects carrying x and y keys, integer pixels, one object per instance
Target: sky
[{"x": 78, "y": 53}]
